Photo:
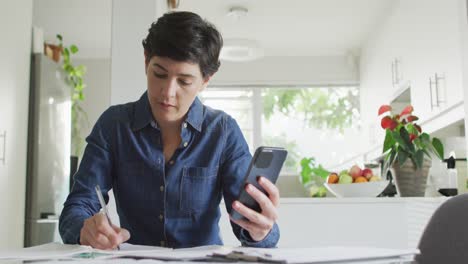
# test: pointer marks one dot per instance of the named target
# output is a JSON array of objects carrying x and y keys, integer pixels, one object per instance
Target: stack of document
[{"x": 56, "y": 251}]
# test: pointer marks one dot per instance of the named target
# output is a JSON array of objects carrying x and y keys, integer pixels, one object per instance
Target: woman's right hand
[{"x": 98, "y": 233}]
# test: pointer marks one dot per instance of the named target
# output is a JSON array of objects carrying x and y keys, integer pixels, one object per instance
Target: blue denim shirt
[{"x": 173, "y": 204}]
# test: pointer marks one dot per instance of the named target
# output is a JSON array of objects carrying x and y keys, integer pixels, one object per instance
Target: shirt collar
[
  {"x": 143, "y": 115},
  {"x": 195, "y": 114}
]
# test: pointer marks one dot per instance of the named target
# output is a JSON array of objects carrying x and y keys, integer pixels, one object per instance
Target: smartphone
[{"x": 266, "y": 162}]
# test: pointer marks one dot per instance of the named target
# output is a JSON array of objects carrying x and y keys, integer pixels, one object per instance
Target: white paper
[
  {"x": 290, "y": 255},
  {"x": 324, "y": 254},
  {"x": 130, "y": 249},
  {"x": 46, "y": 251},
  {"x": 180, "y": 254}
]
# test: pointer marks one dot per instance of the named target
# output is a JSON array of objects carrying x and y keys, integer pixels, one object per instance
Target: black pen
[{"x": 104, "y": 206}]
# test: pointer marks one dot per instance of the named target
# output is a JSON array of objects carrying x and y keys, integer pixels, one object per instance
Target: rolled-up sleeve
[
  {"x": 235, "y": 162},
  {"x": 95, "y": 168}
]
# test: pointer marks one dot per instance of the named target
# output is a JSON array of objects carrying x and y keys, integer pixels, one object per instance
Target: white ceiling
[
  {"x": 297, "y": 27},
  {"x": 283, "y": 28}
]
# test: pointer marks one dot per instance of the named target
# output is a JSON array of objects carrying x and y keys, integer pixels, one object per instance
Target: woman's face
[{"x": 172, "y": 87}]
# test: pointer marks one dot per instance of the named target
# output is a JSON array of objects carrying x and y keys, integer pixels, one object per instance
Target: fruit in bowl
[{"x": 355, "y": 182}]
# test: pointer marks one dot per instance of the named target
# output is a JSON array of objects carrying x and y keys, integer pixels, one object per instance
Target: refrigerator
[{"x": 48, "y": 160}]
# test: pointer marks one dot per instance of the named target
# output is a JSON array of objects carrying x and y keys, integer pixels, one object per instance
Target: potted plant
[
  {"x": 313, "y": 176},
  {"x": 408, "y": 150},
  {"x": 75, "y": 80}
]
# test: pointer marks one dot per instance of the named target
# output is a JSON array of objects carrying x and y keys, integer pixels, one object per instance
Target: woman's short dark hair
[{"x": 185, "y": 36}]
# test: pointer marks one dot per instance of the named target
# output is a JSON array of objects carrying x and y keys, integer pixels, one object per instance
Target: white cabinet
[
  {"x": 15, "y": 51},
  {"x": 433, "y": 58},
  {"x": 417, "y": 41}
]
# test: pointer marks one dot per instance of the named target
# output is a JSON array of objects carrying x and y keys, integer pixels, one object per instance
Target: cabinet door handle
[
  {"x": 393, "y": 73},
  {"x": 3, "y": 158},
  {"x": 436, "y": 82},
  {"x": 430, "y": 92},
  {"x": 439, "y": 92}
]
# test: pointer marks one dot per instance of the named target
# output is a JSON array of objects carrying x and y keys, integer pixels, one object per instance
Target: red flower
[
  {"x": 388, "y": 122},
  {"x": 412, "y": 118},
  {"x": 408, "y": 110},
  {"x": 418, "y": 128},
  {"x": 384, "y": 108},
  {"x": 412, "y": 137}
]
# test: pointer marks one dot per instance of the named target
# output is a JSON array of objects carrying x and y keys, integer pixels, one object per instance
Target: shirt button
[
  {"x": 161, "y": 217},
  {"x": 171, "y": 162},
  {"x": 185, "y": 144},
  {"x": 162, "y": 243},
  {"x": 161, "y": 188},
  {"x": 185, "y": 125}
]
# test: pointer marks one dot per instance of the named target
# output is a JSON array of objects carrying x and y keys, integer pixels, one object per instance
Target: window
[{"x": 308, "y": 121}]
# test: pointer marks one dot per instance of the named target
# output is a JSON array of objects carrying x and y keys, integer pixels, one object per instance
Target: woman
[{"x": 168, "y": 158}]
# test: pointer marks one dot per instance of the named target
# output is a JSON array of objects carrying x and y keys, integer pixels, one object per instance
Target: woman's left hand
[{"x": 259, "y": 224}]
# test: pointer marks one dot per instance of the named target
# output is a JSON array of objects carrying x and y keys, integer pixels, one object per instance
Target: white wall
[
  {"x": 97, "y": 91},
  {"x": 288, "y": 70},
  {"x": 85, "y": 23},
  {"x": 130, "y": 23},
  {"x": 464, "y": 34},
  {"x": 15, "y": 47}
]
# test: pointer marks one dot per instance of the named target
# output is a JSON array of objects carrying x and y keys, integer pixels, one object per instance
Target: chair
[{"x": 445, "y": 239}]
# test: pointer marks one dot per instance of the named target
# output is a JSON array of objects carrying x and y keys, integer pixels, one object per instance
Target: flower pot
[
  {"x": 411, "y": 182},
  {"x": 52, "y": 51}
]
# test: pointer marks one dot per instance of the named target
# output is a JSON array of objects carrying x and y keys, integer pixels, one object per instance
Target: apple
[
  {"x": 345, "y": 178},
  {"x": 333, "y": 178},
  {"x": 355, "y": 171},
  {"x": 374, "y": 178},
  {"x": 360, "y": 179},
  {"x": 367, "y": 173}
]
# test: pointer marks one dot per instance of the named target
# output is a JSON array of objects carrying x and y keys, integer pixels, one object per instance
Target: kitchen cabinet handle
[
  {"x": 436, "y": 86},
  {"x": 430, "y": 92},
  {"x": 438, "y": 78},
  {"x": 2, "y": 159},
  {"x": 393, "y": 73}
]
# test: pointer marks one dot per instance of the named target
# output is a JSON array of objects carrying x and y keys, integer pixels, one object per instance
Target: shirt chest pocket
[{"x": 199, "y": 189}]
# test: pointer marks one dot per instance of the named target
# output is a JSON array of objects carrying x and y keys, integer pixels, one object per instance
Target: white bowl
[{"x": 363, "y": 189}]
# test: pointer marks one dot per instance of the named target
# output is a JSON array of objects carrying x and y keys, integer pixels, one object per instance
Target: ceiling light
[
  {"x": 241, "y": 50},
  {"x": 237, "y": 12}
]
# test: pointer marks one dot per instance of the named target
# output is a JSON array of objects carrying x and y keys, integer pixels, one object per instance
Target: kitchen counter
[{"x": 392, "y": 222}]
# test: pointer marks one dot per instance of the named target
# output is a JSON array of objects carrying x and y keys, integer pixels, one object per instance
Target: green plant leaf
[
  {"x": 320, "y": 171},
  {"x": 425, "y": 138},
  {"x": 399, "y": 140},
  {"x": 389, "y": 141},
  {"x": 402, "y": 157},
  {"x": 73, "y": 49},
  {"x": 439, "y": 148},
  {"x": 68, "y": 68},
  {"x": 412, "y": 129},
  {"x": 392, "y": 157},
  {"x": 419, "y": 159},
  {"x": 306, "y": 170},
  {"x": 59, "y": 37},
  {"x": 427, "y": 153},
  {"x": 66, "y": 52},
  {"x": 406, "y": 139}
]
